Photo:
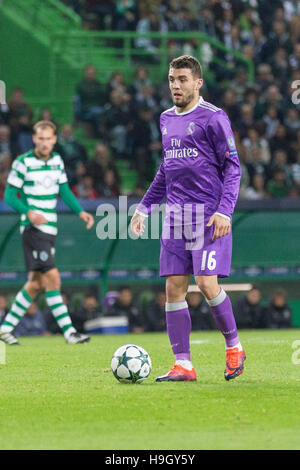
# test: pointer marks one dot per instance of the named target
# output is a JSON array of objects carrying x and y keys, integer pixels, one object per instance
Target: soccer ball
[{"x": 131, "y": 363}]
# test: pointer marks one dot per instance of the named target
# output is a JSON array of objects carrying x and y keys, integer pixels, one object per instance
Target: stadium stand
[
  {"x": 104, "y": 68},
  {"x": 123, "y": 114}
]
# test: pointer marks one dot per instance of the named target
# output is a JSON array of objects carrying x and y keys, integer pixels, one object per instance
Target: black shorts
[{"x": 39, "y": 249}]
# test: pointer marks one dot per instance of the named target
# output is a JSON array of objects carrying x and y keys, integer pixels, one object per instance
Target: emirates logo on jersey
[{"x": 191, "y": 128}]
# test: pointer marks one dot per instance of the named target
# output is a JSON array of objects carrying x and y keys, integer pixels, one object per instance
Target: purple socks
[
  {"x": 179, "y": 324},
  {"x": 179, "y": 328},
  {"x": 221, "y": 309}
]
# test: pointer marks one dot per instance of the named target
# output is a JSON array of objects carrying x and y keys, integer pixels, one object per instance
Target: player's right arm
[
  {"x": 15, "y": 182},
  {"x": 153, "y": 196}
]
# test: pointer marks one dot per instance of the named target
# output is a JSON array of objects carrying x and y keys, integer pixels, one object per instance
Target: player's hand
[
  {"x": 35, "y": 218},
  {"x": 87, "y": 218},
  {"x": 222, "y": 226},
  {"x": 137, "y": 224}
]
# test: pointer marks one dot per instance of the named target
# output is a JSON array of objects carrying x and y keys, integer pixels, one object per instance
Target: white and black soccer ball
[{"x": 131, "y": 363}]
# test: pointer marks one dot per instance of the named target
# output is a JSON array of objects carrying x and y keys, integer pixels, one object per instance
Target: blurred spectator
[
  {"x": 264, "y": 77},
  {"x": 6, "y": 147},
  {"x": 46, "y": 115},
  {"x": 248, "y": 310},
  {"x": 279, "y": 37},
  {"x": 257, "y": 166},
  {"x": 90, "y": 98},
  {"x": 145, "y": 142},
  {"x": 72, "y": 152},
  {"x": 280, "y": 141},
  {"x": 295, "y": 170},
  {"x": 110, "y": 187},
  {"x": 104, "y": 10},
  {"x": 278, "y": 314},
  {"x": 124, "y": 306},
  {"x": 98, "y": 166},
  {"x": 151, "y": 23},
  {"x": 240, "y": 84},
  {"x": 145, "y": 98},
  {"x": 254, "y": 141},
  {"x": 5, "y": 162},
  {"x": 200, "y": 313},
  {"x": 271, "y": 121},
  {"x": 85, "y": 188},
  {"x": 294, "y": 61},
  {"x": 24, "y": 136},
  {"x": 230, "y": 105},
  {"x": 18, "y": 107},
  {"x": 246, "y": 120},
  {"x": 116, "y": 82},
  {"x": 32, "y": 323},
  {"x": 257, "y": 190},
  {"x": 280, "y": 67},
  {"x": 280, "y": 161},
  {"x": 88, "y": 311},
  {"x": 117, "y": 117},
  {"x": 206, "y": 22},
  {"x": 125, "y": 15},
  {"x": 257, "y": 40},
  {"x": 140, "y": 79},
  {"x": 155, "y": 313},
  {"x": 292, "y": 121},
  {"x": 3, "y": 307},
  {"x": 277, "y": 186},
  {"x": 3, "y": 182}
]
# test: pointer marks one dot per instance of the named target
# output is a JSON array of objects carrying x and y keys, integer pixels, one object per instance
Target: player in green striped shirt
[{"x": 39, "y": 177}]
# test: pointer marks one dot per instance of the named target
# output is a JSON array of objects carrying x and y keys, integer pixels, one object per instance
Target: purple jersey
[{"x": 200, "y": 161}]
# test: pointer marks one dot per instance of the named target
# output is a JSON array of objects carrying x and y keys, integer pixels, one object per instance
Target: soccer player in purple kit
[{"x": 200, "y": 169}]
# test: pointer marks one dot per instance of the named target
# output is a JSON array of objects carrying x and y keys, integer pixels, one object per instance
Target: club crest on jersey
[
  {"x": 231, "y": 143},
  {"x": 164, "y": 132},
  {"x": 191, "y": 128},
  {"x": 44, "y": 256},
  {"x": 47, "y": 182}
]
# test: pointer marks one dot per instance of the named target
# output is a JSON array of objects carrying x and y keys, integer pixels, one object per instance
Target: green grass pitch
[{"x": 59, "y": 396}]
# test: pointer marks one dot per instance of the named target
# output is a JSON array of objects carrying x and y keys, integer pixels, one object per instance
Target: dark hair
[
  {"x": 125, "y": 287},
  {"x": 44, "y": 125},
  {"x": 187, "y": 62}
]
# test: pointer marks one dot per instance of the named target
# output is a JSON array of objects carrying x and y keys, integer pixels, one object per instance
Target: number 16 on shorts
[{"x": 208, "y": 261}]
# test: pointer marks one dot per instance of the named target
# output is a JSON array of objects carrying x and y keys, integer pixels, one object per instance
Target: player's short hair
[
  {"x": 187, "y": 62},
  {"x": 43, "y": 125}
]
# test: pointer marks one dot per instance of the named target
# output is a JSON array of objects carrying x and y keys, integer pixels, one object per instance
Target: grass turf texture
[{"x": 59, "y": 396}]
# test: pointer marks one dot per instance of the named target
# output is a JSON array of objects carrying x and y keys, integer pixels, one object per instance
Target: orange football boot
[
  {"x": 234, "y": 363},
  {"x": 178, "y": 374}
]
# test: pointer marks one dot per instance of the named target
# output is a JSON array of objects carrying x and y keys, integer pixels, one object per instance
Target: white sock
[
  {"x": 238, "y": 345},
  {"x": 184, "y": 363}
]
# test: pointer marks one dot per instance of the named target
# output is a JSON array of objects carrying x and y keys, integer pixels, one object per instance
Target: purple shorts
[{"x": 177, "y": 256}]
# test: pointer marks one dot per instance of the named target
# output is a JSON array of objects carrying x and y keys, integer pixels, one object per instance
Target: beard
[{"x": 185, "y": 102}]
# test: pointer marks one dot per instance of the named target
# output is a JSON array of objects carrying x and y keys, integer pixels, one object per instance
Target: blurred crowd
[
  {"x": 146, "y": 313},
  {"x": 124, "y": 117}
]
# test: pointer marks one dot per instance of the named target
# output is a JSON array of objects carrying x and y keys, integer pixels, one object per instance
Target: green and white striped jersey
[{"x": 38, "y": 182}]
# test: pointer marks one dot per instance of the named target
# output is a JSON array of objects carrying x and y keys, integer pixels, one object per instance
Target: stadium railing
[
  {"x": 44, "y": 16},
  {"x": 55, "y": 49}
]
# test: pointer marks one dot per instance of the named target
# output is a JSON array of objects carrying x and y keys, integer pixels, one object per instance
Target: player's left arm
[
  {"x": 221, "y": 137},
  {"x": 71, "y": 201}
]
